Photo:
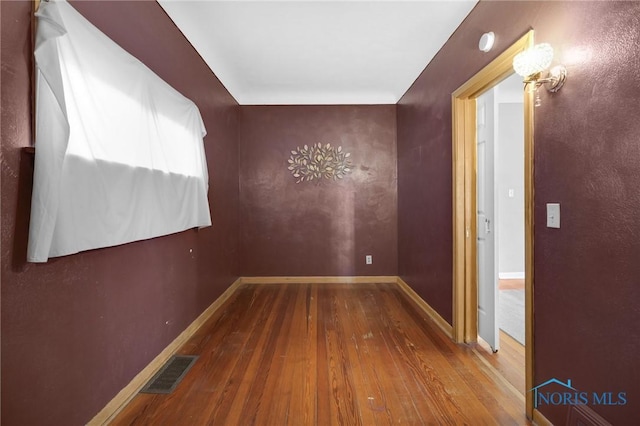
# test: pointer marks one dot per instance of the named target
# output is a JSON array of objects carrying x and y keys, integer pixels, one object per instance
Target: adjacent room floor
[
  {"x": 510, "y": 359},
  {"x": 330, "y": 354},
  {"x": 511, "y": 317}
]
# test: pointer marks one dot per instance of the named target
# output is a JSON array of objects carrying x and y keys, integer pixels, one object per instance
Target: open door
[{"x": 486, "y": 230}]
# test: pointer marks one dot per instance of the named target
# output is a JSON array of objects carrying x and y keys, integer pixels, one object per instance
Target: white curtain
[{"x": 119, "y": 152}]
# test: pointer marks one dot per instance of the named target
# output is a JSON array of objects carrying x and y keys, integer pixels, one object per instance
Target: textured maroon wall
[
  {"x": 318, "y": 229},
  {"x": 586, "y": 157},
  {"x": 77, "y": 329}
]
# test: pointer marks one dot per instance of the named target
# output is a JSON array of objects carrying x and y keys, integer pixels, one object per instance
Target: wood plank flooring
[
  {"x": 329, "y": 354},
  {"x": 509, "y": 361},
  {"x": 512, "y": 284}
]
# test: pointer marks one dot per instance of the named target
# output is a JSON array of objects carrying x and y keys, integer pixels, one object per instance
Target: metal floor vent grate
[{"x": 172, "y": 373}]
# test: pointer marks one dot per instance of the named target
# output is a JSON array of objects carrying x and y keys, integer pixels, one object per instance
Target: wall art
[{"x": 317, "y": 162}]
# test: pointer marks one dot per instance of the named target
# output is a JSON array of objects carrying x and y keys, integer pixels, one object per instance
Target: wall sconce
[{"x": 531, "y": 63}]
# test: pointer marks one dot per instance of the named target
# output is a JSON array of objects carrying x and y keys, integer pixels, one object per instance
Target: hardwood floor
[
  {"x": 508, "y": 361},
  {"x": 512, "y": 284},
  {"x": 329, "y": 354}
]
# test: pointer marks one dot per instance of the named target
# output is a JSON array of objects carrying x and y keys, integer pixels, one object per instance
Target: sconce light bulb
[
  {"x": 533, "y": 60},
  {"x": 530, "y": 65}
]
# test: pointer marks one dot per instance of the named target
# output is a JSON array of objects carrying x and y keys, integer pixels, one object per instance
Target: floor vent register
[{"x": 170, "y": 375}]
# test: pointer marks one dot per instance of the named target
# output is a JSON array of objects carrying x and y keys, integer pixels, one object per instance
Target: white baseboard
[{"x": 511, "y": 275}]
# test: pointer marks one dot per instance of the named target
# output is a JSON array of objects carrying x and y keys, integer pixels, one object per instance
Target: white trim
[{"x": 511, "y": 275}]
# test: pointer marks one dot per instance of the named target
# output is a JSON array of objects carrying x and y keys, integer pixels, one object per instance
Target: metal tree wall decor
[{"x": 317, "y": 162}]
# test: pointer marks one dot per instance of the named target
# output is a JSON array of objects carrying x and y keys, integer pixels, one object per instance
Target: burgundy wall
[
  {"x": 325, "y": 229},
  {"x": 77, "y": 329},
  {"x": 587, "y": 155}
]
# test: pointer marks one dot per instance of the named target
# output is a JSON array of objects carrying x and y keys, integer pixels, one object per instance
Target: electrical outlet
[{"x": 368, "y": 259}]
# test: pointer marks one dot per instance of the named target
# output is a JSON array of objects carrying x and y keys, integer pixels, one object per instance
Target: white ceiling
[{"x": 317, "y": 52}]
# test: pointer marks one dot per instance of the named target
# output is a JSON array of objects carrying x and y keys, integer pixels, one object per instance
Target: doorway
[
  {"x": 465, "y": 225},
  {"x": 500, "y": 214}
]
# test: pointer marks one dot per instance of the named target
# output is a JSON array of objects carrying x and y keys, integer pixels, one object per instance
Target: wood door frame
[{"x": 465, "y": 271}]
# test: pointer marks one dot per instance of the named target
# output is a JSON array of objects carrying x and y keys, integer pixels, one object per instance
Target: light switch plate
[{"x": 553, "y": 215}]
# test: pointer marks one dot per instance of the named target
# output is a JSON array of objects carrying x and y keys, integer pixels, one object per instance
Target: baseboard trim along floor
[
  {"x": 131, "y": 390},
  {"x": 431, "y": 313},
  {"x": 123, "y": 397},
  {"x": 320, "y": 280}
]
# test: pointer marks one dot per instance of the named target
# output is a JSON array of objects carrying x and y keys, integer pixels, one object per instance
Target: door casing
[{"x": 465, "y": 277}]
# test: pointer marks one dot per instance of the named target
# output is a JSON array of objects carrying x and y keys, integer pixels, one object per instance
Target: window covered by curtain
[{"x": 119, "y": 152}]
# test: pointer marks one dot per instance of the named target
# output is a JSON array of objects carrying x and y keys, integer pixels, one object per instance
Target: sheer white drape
[{"x": 119, "y": 152}]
